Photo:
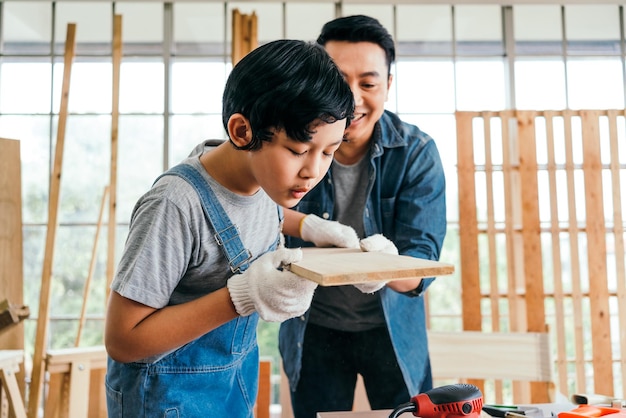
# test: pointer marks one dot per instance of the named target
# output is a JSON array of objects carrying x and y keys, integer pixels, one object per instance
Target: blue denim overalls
[{"x": 215, "y": 375}]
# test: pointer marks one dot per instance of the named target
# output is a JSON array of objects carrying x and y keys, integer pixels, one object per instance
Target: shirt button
[
  {"x": 325, "y": 215},
  {"x": 302, "y": 318},
  {"x": 299, "y": 345}
]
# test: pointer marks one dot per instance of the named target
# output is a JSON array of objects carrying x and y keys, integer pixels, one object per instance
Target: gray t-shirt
[
  {"x": 171, "y": 256},
  {"x": 346, "y": 308}
]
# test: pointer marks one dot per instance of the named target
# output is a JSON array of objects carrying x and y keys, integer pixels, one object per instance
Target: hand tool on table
[
  {"x": 450, "y": 401},
  {"x": 594, "y": 399},
  {"x": 512, "y": 411}
]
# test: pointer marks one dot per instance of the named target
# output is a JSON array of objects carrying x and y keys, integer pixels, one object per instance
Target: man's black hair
[
  {"x": 290, "y": 85},
  {"x": 360, "y": 28}
]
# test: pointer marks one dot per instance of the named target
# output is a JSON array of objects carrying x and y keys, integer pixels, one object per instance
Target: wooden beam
[
  {"x": 117, "y": 61},
  {"x": 41, "y": 338}
]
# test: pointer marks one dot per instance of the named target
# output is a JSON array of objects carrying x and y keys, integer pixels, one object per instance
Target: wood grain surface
[{"x": 339, "y": 266}]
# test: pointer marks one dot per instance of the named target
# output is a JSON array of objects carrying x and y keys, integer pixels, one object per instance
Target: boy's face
[
  {"x": 288, "y": 169},
  {"x": 364, "y": 67}
]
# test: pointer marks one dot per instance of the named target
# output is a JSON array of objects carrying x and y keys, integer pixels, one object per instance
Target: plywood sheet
[{"x": 340, "y": 266}]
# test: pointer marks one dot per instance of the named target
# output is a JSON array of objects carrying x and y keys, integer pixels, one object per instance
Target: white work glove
[
  {"x": 325, "y": 233},
  {"x": 375, "y": 243},
  {"x": 277, "y": 295}
]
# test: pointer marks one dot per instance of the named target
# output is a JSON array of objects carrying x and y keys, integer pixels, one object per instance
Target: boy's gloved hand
[
  {"x": 375, "y": 243},
  {"x": 325, "y": 233},
  {"x": 277, "y": 295}
]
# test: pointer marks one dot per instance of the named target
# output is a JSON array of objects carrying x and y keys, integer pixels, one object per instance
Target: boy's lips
[{"x": 299, "y": 193}]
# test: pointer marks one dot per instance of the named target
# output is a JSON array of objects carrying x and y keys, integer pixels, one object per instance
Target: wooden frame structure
[{"x": 541, "y": 227}]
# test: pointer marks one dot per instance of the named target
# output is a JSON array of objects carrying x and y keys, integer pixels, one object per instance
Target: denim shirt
[{"x": 406, "y": 203}]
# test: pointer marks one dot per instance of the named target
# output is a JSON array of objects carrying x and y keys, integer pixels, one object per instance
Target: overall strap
[{"x": 226, "y": 234}]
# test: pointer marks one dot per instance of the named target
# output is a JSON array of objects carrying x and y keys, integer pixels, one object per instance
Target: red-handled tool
[{"x": 451, "y": 401}]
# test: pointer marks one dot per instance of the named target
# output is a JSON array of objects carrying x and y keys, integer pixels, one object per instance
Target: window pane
[
  {"x": 25, "y": 87},
  {"x": 90, "y": 87},
  {"x": 142, "y": 26},
  {"x": 189, "y": 131},
  {"x": 197, "y": 86},
  {"x": 33, "y": 132},
  {"x": 269, "y": 19},
  {"x": 141, "y": 87},
  {"x": 480, "y": 85},
  {"x": 85, "y": 171},
  {"x": 540, "y": 84},
  {"x": 424, "y": 29},
  {"x": 595, "y": 84},
  {"x": 140, "y": 159},
  {"x": 478, "y": 29},
  {"x": 199, "y": 28},
  {"x": 305, "y": 20},
  {"x": 425, "y": 86},
  {"x": 27, "y": 27},
  {"x": 93, "y": 26},
  {"x": 592, "y": 29},
  {"x": 537, "y": 29}
]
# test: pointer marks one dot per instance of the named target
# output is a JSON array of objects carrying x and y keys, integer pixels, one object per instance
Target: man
[{"x": 385, "y": 183}]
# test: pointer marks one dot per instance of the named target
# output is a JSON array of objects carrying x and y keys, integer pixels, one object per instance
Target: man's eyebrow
[{"x": 372, "y": 73}]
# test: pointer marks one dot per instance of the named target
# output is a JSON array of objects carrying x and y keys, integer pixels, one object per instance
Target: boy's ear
[{"x": 239, "y": 130}]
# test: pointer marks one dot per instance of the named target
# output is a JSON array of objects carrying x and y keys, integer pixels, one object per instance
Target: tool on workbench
[
  {"x": 459, "y": 400},
  {"x": 594, "y": 399},
  {"x": 512, "y": 411}
]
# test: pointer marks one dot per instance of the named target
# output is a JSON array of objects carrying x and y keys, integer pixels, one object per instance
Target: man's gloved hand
[
  {"x": 375, "y": 243},
  {"x": 325, "y": 233},
  {"x": 277, "y": 295}
]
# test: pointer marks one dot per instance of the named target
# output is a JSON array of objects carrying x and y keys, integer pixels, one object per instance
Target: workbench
[{"x": 383, "y": 413}]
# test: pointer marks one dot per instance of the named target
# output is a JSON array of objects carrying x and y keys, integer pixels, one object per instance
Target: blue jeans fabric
[{"x": 331, "y": 360}]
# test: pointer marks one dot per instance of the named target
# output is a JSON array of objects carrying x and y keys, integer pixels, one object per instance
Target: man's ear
[{"x": 239, "y": 130}]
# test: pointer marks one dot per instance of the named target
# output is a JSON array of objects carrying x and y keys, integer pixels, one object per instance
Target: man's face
[{"x": 364, "y": 66}]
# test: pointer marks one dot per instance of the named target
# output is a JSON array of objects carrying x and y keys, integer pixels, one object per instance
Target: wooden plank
[
  {"x": 618, "y": 234},
  {"x": 596, "y": 255},
  {"x": 11, "y": 244},
  {"x": 557, "y": 270},
  {"x": 112, "y": 223},
  {"x": 492, "y": 256},
  {"x": 341, "y": 266},
  {"x": 535, "y": 310},
  {"x": 264, "y": 398},
  {"x": 92, "y": 265},
  {"x": 10, "y": 365},
  {"x": 468, "y": 227},
  {"x": 494, "y": 355},
  {"x": 573, "y": 232},
  {"x": 41, "y": 337}
]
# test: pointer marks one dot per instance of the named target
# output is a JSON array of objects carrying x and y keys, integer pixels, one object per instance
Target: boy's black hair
[
  {"x": 359, "y": 28},
  {"x": 286, "y": 84}
]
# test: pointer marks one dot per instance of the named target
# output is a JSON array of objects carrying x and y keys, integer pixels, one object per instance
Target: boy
[{"x": 202, "y": 258}]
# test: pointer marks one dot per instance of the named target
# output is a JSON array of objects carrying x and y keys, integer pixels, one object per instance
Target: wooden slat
[
  {"x": 557, "y": 270},
  {"x": 10, "y": 364},
  {"x": 112, "y": 222},
  {"x": 494, "y": 290},
  {"x": 573, "y": 233},
  {"x": 596, "y": 255},
  {"x": 468, "y": 227},
  {"x": 92, "y": 265},
  {"x": 494, "y": 355},
  {"x": 53, "y": 206},
  {"x": 264, "y": 398},
  {"x": 11, "y": 243},
  {"x": 618, "y": 234}
]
